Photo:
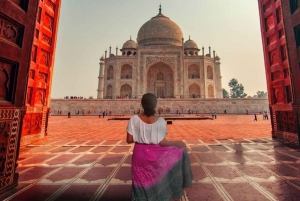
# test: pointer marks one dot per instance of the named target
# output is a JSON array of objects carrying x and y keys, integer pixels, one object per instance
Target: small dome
[
  {"x": 217, "y": 58},
  {"x": 102, "y": 58},
  {"x": 130, "y": 44},
  {"x": 190, "y": 44}
]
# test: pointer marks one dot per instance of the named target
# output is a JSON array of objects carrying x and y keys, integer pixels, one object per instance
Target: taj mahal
[
  {"x": 162, "y": 63},
  {"x": 183, "y": 77}
]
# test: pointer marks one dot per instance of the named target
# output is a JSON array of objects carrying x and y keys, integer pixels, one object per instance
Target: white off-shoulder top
[{"x": 147, "y": 133}]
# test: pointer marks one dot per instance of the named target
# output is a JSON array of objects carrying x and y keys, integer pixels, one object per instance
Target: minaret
[
  {"x": 218, "y": 77},
  {"x": 100, "y": 90}
]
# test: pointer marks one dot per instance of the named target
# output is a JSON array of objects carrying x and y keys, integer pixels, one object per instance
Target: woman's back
[{"x": 147, "y": 130}]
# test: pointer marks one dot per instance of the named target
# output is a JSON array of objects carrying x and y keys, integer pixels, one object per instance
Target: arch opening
[{"x": 160, "y": 80}]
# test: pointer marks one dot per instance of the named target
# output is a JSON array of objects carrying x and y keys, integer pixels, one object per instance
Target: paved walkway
[{"x": 86, "y": 158}]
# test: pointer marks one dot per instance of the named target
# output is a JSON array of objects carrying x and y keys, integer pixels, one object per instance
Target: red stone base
[
  {"x": 31, "y": 138},
  {"x": 286, "y": 136}
]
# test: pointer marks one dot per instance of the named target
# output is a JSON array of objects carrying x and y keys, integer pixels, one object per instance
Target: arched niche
[
  {"x": 126, "y": 91},
  {"x": 109, "y": 91},
  {"x": 126, "y": 71},
  {"x": 210, "y": 91},
  {"x": 194, "y": 91},
  {"x": 193, "y": 71},
  {"x": 160, "y": 80},
  {"x": 210, "y": 73},
  {"x": 110, "y": 73}
]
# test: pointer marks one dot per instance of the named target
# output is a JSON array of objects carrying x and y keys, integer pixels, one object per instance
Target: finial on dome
[
  {"x": 160, "y": 9},
  {"x": 189, "y": 37},
  {"x": 130, "y": 37}
]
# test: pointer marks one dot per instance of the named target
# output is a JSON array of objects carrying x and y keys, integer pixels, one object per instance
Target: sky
[{"x": 87, "y": 28}]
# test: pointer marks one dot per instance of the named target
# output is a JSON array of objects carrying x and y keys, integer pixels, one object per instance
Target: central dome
[{"x": 160, "y": 30}]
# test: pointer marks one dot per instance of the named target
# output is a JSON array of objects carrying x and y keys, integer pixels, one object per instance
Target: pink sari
[{"x": 159, "y": 173}]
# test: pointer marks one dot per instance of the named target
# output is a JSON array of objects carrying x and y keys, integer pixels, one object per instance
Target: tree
[
  {"x": 262, "y": 94},
  {"x": 237, "y": 90},
  {"x": 225, "y": 93}
]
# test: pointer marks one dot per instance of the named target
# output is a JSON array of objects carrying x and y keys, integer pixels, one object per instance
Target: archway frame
[{"x": 173, "y": 75}]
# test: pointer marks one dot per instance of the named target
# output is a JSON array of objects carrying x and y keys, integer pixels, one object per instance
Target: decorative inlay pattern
[
  {"x": 32, "y": 123},
  {"x": 9, "y": 129},
  {"x": 286, "y": 121},
  {"x": 168, "y": 60},
  {"x": 126, "y": 62}
]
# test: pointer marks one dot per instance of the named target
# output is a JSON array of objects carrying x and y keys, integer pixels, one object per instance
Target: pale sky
[{"x": 88, "y": 27}]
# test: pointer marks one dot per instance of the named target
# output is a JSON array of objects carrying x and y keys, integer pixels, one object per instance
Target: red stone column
[
  {"x": 282, "y": 85},
  {"x": 41, "y": 70},
  {"x": 17, "y": 24}
]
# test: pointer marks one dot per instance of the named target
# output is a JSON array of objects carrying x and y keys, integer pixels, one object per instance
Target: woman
[{"x": 160, "y": 168}]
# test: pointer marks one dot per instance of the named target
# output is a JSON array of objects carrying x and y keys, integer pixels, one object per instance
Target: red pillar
[
  {"x": 41, "y": 70},
  {"x": 17, "y": 24},
  {"x": 283, "y": 84}
]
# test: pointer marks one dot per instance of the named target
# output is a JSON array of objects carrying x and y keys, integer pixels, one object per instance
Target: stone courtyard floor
[{"x": 87, "y": 158}]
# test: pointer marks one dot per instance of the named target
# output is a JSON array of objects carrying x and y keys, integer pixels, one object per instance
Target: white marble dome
[
  {"x": 190, "y": 44},
  {"x": 130, "y": 44},
  {"x": 160, "y": 30}
]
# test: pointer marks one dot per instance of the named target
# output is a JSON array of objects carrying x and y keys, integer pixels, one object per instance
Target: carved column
[
  {"x": 281, "y": 66},
  {"x": 41, "y": 71},
  {"x": 17, "y": 25}
]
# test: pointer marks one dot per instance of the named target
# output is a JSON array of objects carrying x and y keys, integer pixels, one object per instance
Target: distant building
[
  {"x": 160, "y": 63},
  {"x": 280, "y": 28}
]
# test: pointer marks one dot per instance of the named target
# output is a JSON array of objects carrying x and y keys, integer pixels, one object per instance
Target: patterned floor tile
[
  {"x": 203, "y": 192},
  {"x": 37, "y": 192},
  {"x": 86, "y": 157},
  {"x": 243, "y": 192},
  {"x": 78, "y": 193},
  {"x": 124, "y": 193}
]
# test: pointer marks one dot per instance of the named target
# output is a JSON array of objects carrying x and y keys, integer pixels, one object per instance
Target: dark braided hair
[{"x": 149, "y": 103}]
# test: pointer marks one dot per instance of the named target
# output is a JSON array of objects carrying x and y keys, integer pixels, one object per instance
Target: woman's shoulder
[
  {"x": 134, "y": 117},
  {"x": 161, "y": 119}
]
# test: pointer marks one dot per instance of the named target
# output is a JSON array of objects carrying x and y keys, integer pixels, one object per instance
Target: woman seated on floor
[{"x": 160, "y": 168}]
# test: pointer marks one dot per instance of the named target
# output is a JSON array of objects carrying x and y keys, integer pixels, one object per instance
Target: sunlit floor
[{"x": 86, "y": 158}]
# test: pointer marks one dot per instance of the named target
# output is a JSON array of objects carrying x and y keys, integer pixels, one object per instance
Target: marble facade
[{"x": 160, "y": 62}]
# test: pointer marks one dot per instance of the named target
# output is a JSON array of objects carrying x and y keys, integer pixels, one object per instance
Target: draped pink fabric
[{"x": 150, "y": 163}]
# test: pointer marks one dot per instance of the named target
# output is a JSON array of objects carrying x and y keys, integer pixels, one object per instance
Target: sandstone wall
[{"x": 128, "y": 106}]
